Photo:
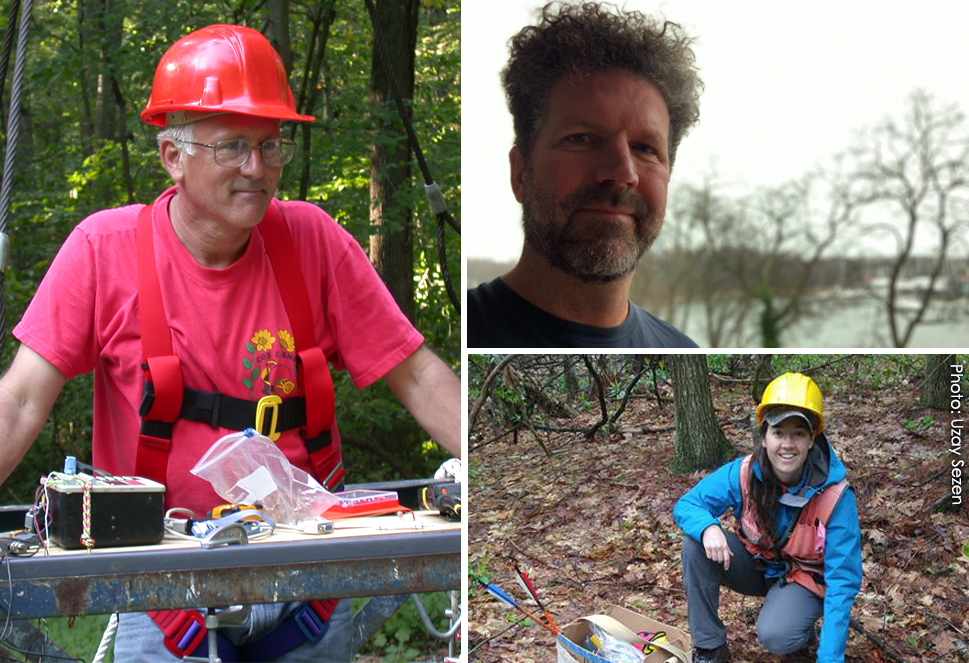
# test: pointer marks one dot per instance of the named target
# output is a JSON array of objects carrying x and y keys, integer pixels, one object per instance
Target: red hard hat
[{"x": 221, "y": 69}]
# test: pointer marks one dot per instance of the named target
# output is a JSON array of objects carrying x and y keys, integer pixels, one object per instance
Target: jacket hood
[{"x": 822, "y": 468}]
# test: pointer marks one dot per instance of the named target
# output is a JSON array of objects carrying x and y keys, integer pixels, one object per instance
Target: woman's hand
[{"x": 716, "y": 547}]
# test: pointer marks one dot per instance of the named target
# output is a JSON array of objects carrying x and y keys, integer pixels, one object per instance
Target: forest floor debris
[{"x": 593, "y": 526}]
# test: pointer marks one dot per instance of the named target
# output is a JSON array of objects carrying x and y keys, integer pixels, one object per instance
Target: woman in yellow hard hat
[{"x": 797, "y": 541}]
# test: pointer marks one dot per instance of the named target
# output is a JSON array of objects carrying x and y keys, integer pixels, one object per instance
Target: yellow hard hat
[{"x": 794, "y": 390}]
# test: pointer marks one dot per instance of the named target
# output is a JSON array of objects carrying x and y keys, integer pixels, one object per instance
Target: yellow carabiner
[{"x": 272, "y": 401}]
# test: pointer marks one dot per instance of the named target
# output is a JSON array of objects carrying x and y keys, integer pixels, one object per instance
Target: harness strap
[
  {"x": 311, "y": 622},
  {"x": 185, "y": 632},
  {"x": 221, "y": 410},
  {"x": 165, "y": 399},
  {"x": 315, "y": 382},
  {"x": 313, "y": 375},
  {"x": 163, "y": 369}
]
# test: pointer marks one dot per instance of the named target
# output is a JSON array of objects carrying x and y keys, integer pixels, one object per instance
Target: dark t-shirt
[{"x": 499, "y": 318}]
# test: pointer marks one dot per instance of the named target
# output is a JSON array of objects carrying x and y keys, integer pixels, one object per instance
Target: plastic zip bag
[
  {"x": 604, "y": 644},
  {"x": 247, "y": 468}
]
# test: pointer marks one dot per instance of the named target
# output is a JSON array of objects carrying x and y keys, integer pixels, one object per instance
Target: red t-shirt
[{"x": 229, "y": 328}]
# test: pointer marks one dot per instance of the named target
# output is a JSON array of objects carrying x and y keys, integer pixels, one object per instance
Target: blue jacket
[{"x": 714, "y": 494}]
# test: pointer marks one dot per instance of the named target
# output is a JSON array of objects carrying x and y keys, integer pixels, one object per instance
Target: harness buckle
[
  {"x": 266, "y": 402},
  {"x": 310, "y": 624},
  {"x": 147, "y": 398},
  {"x": 184, "y": 630}
]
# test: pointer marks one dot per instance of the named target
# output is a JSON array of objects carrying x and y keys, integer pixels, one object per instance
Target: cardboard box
[{"x": 638, "y": 629}]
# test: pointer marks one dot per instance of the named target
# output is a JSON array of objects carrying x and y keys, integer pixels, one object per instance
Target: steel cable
[
  {"x": 432, "y": 190},
  {"x": 10, "y": 155}
]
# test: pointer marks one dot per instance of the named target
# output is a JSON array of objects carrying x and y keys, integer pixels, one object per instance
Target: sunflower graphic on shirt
[{"x": 270, "y": 364}]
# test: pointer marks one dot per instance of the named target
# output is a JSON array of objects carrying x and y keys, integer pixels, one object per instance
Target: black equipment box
[{"x": 125, "y": 511}]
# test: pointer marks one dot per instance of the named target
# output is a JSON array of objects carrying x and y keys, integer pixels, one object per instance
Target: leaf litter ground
[{"x": 593, "y": 527}]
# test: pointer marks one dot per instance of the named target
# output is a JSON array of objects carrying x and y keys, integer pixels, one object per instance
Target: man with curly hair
[{"x": 601, "y": 99}]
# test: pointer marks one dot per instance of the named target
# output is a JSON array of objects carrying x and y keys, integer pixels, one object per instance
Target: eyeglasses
[{"x": 234, "y": 152}]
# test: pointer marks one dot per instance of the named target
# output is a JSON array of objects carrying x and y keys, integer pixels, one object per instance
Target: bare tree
[
  {"x": 917, "y": 170},
  {"x": 701, "y": 268},
  {"x": 792, "y": 237},
  {"x": 761, "y": 251},
  {"x": 546, "y": 393}
]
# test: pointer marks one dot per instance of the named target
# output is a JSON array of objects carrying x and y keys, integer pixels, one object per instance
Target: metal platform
[
  {"x": 259, "y": 573},
  {"x": 390, "y": 566}
]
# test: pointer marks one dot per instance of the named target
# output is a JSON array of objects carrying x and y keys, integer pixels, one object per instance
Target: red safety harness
[
  {"x": 185, "y": 632},
  {"x": 165, "y": 399}
]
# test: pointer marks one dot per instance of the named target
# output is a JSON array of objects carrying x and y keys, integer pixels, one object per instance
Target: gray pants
[
  {"x": 139, "y": 638},
  {"x": 786, "y": 620}
]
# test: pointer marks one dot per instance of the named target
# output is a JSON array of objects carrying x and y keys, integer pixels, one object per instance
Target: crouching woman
[{"x": 797, "y": 540}]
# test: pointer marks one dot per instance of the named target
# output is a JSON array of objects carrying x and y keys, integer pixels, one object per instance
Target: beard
[{"x": 595, "y": 250}]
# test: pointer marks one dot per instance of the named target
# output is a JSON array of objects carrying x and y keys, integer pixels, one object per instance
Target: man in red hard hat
[{"x": 194, "y": 320}]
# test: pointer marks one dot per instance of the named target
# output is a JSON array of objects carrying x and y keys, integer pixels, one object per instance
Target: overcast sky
[{"x": 787, "y": 86}]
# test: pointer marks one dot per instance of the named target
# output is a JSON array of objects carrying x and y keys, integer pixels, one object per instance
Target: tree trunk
[
  {"x": 770, "y": 333},
  {"x": 391, "y": 245},
  {"x": 101, "y": 23},
  {"x": 570, "y": 378},
  {"x": 85, "y": 35},
  {"x": 934, "y": 392},
  {"x": 106, "y": 17},
  {"x": 278, "y": 32},
  {"x": 763, "y": 374},
  {"x": 699, "y": 443},
  {"x": 311, "y": 88}
]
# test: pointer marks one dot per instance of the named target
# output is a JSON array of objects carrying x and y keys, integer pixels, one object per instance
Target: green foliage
[
  {"x": 80, "y": 638},
  {"x": 403, "y": 637},
  {"x": 868, "y": 371},
  {"x": 720, "y": 363},
  {"x": 662, "y": 376},
  {"x": 385, "y": 443},
  {"x": 616, "y": 392},
  {"x": 508, "y": 396},
  {"x": 473, "y": 469},
  {"x": 478, "y": 368},
  {"x": 919, "y": 425},
  {"x": 479, "y": 571}
]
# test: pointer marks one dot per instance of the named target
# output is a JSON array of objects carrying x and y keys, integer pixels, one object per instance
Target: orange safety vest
[{"x": 802, "y": 546}]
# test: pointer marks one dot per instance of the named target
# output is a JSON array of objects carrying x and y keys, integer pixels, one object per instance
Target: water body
[{"x": 850, "y": 324}]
